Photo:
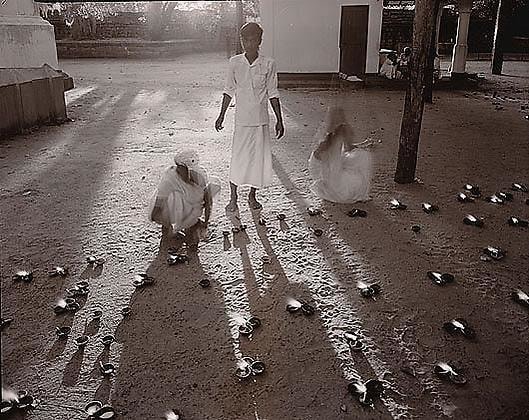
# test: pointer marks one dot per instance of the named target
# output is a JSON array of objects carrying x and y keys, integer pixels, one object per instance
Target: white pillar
[
  {"x": 459, "y": 56},
  {"x": 26, "y": 40}
]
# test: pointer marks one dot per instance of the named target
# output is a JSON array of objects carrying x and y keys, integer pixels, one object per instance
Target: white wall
[
  {"x": 304, "y": 35},
  {"x": 17, "y": 7},
  {"x": 26, "y": 40}
]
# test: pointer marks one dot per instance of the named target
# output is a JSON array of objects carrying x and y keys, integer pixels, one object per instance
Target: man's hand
[
  {"x": 219, "y": 122},
  {"x": 280, "y": 129},
  {"x": 226, "y": 99}
]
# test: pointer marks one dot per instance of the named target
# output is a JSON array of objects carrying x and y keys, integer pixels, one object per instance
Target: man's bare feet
[
  {"x": 254, "y": 204},
  {"x": 252, "y": 201},
  {"x": 232, "y": 206}
]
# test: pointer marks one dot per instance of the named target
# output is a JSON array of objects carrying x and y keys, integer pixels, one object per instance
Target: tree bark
[
  {"x": 240, "y": 21},
  {"x": 423, "y": 27},
  {"x": 502, "y": 15},
  {"x": 429, "y": 72},
  {"x": 167, "y": 13},
  {"x": 154, "y": 18}
]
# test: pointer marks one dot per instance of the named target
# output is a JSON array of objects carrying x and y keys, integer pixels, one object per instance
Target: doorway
[{"x": 353, "y": 39}]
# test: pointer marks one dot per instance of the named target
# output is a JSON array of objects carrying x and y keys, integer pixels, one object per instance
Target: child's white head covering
[{"x": 186, "y": 157}]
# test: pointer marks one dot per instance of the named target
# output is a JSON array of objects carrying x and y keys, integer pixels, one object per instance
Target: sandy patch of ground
[{"x": 81, "y": 189}]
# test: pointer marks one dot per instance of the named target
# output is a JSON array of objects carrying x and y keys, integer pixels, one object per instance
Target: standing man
[{"x": 252, "y": 79}]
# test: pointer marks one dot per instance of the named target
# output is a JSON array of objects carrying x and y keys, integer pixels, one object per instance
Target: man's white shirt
[{"x": 252, "y": 85}]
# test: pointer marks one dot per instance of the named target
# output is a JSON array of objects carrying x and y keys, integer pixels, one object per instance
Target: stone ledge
[
  {"x": 316, "y": 80},
  {"x": 31, "y": 97},
  {"x": 9, "y": 76}
]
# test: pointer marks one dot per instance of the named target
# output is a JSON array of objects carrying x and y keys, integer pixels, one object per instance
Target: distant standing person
[
  {"x": 252, "y": 79},
  {"x": 436, "y": 68},
  {"x": 403, "y": 65}
]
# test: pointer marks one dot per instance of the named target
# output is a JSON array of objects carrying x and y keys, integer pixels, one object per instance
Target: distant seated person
[
  {"x": 389, "y": 67},
  {"x": 403, "y": 65},
  {"x": 436, "y": 68}
]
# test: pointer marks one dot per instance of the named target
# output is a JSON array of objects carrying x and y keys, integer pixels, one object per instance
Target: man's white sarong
[
  {"x": 253, "y": 85},
  {"x": 251, "y": 156}
]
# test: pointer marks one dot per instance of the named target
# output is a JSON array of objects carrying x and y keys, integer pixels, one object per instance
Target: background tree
[
  {"x": 240, "y": 20},
  {"x": 429, "y": 73},
  {"x": 159, "y": 15},
  {"x": 82, "y": 18},
  {"x": 423, "y": 27},
  {"x": 498, "y": 48}
]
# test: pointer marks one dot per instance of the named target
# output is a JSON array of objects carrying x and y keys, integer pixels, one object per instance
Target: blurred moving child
[{"x": 341, "y": 170}]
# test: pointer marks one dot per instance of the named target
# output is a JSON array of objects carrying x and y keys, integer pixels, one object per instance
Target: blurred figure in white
[{"x": 341, "y": 170}]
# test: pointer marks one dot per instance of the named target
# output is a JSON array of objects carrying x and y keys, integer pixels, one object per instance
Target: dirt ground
[{"x": 81, "y": 188}]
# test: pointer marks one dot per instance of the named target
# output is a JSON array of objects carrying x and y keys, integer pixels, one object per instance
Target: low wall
[{"x": 131, "y": 48}]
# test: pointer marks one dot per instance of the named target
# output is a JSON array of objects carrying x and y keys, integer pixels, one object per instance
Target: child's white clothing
[
  {"x": 341, "y": 176},
  {"x": 181, "y": 203},
  {"x": 252, "y": 85},
  {"x": 388, "y": 69}
]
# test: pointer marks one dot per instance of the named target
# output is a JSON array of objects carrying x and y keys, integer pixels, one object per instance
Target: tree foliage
[
  {"x": 99, "y": 11},
  {"x": 158, "y": 15},
  {"x": 487, "y": 9}
]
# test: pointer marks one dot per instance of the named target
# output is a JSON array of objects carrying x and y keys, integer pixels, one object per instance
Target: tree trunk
[
  {"x": 429, "y": 72},
  {"x": 240, "y": 21},
  {"x": 504, "y": 6},
  {"x": 167, "y": 13},
  {"x": 423, "y": 27},
  {"x": 154, "y": 18}
]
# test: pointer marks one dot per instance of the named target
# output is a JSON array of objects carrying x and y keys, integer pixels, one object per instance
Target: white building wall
[
  {"x": 303, "y": 36},
  {"x": 26, "y": 40}
]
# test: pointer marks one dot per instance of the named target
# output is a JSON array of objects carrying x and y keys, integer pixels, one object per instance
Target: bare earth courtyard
[{"x": 80, "y": 189}]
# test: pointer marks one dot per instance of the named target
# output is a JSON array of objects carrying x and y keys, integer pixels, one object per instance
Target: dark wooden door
[{"x": 353, "y": 39}]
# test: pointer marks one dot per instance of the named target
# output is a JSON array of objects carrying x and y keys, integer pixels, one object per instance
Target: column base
[
  {"x": 459, "y": 58},
  {"x": 31, "y": 97},
  {"x": 26, "y": 42}
]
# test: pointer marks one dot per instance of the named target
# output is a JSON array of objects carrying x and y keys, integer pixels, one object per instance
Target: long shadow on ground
[
  {"x": 177, "y": 350},
  {"x": 41, "y": 231},
  {"x": 401, "y": 260},
  {"x": 303, "y": 379}
]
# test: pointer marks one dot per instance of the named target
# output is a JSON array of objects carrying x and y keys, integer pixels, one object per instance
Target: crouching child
[{"x": 183, "y": 200}]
